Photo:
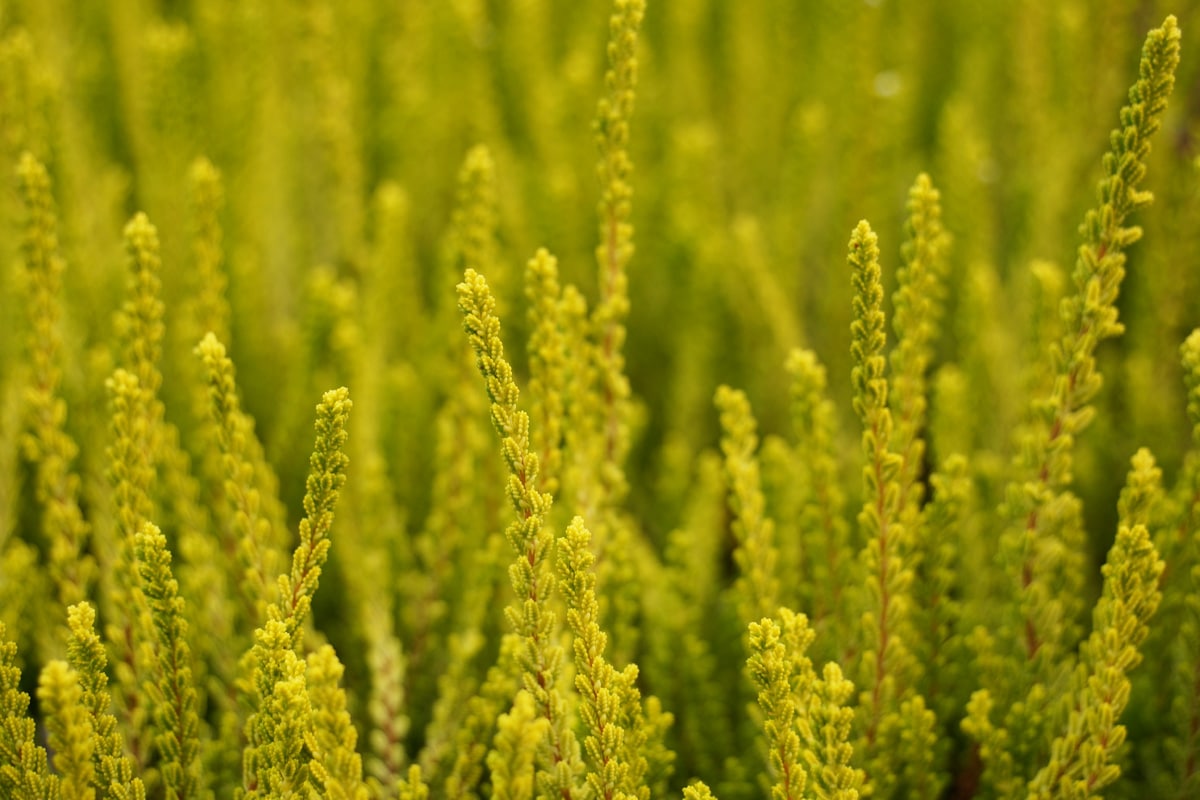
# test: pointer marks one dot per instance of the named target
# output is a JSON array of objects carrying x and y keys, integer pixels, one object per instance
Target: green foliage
[
  {"x": 245, "y": 526},
  {"x": 24, "y": 769},
  {"x": 830, "y": 724},
  {"x": 826, "y": 558},
  {"x": 412, "y": 787},
  {"x": 274, "y": 761},
  {"x": 518, "y": 734},
  {"x": 896, "y": 729},
  {"x": 70, "y": 735},
  {"x": 113, "y": 769},
  {"x": 336, "y": 766},
  {"x": 547, "y": 359},
  {"x": 807, "y": 723},
  {"x": 609, "y": 700},
  {"x": 756, "y": 553},
  {"x": 1081, "y": 758},
  {"x": 784, "y": 677},
  {"x": 1043, "y": 544},
  {"x": 634, "y": 591},
  {"x": 529, "y": 615},
  {"x": 327, "y": 474},
  {"x": 616, "y": 231},
  {"x": 172, "y": 692},
  {"x": 918, "y": 303},
  {"x": 48, "y": 444}
]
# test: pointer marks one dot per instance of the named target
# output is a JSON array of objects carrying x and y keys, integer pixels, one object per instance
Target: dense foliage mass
[{"x": 942, "y": 540}]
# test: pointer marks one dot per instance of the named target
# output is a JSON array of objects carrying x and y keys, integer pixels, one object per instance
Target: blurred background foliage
[{"x": 763, "y": 132}]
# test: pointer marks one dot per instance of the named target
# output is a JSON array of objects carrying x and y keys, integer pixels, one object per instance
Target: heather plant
[{"x": 754, "y": 441}]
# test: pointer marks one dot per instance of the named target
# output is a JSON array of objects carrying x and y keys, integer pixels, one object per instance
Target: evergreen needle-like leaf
[
  {"x": 756, "y": 554},
  {"x": 1082, "y": 758},
  {"x": 1179, "y": 619},
  {"x": 1089, "y": 317},
  {"x": 918, "y": 302},
  {"x": 483, "y": 711},
  {"x": 131, "y": 474},
  {"x": 175, "y": 716},
  {"x": 828, "y": 549},
  {"x": 386, "y": 706},
  {"x": 609, "y": 701},
  {"x": 85, "y": 653},
  {"x": 893, "y": 715},
  {"x": 141, "y": 319},
  {"x": 335, "y": 765},
  {"x": 829, "y": 727},
  {"x": 511, "y": 761},
  {"x": 24, "y": 768},
  {"x": 784, "y": 678},
  {"x": 547, "y": 362},
  {"x": 248, "y": 528},
  {"x": 529, "y": 615},
  {"x": 277, "y": 731},
  {"x": 1043, "y": 543},
  {"x": 326, "y": 476},
  {"x": 698, "y": 791},
  {"x": 473, "y": 639},
  {"x": 71, "y": 737},
  {"x": 413, "y": 787}
]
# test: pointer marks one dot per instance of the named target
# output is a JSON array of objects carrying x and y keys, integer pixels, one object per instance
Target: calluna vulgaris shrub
[{"x": 558, "y": 555}]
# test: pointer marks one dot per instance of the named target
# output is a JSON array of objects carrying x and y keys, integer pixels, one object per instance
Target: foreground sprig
[
  {"x": 610, "y": 699},
  {"x": 806, "y": 720},
  {"x": 1042, "y": 546},
  {"x": 327, "y": 474},
  {"x": 24, "y": 767},
  {"x": 1082, "y": 759},
  {"x": 173, "y": 691},
  {"x": 85, "y": 654},
  {"x": 896, "y": 726},
  {"x": 273, "y": 763},
  {"x": 280, "y": 728},
  {"x": 529, "y": 615},
  {"x": 1089, "y": 317},
  {"x": 69, "y": 729},
  {"x": 783, "y": 676}
]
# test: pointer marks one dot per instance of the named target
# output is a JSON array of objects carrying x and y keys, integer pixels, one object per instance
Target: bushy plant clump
[{"x": 652, "y": 465}]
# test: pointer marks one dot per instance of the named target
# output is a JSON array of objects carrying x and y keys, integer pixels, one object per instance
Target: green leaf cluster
[{"x": 655, "y": 486}]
